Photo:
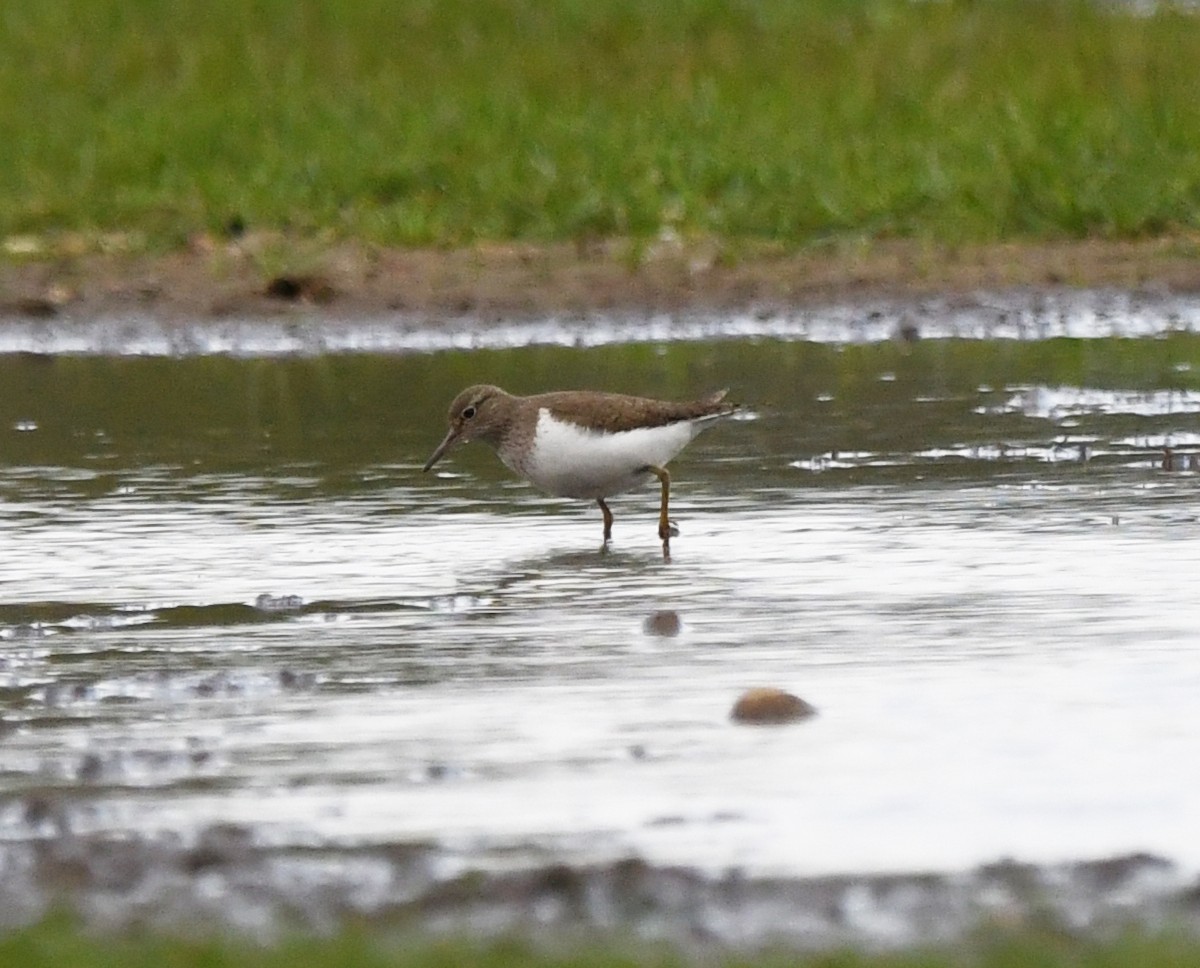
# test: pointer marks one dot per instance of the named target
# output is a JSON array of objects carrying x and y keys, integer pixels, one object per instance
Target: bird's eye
[{"x": 468, "y": 413}]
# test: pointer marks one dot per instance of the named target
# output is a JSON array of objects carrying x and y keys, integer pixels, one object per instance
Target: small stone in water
[
  {"x": 665, "y": 623},
  {"x": 770, "y": 706}
]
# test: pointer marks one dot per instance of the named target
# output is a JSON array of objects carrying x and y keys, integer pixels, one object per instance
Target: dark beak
[{"x": 447, "y": 442}]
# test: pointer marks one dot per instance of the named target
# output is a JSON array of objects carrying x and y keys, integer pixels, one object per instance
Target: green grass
[
  {"x": 54, "y": 944},
  {"x": 445, "y": 122}
]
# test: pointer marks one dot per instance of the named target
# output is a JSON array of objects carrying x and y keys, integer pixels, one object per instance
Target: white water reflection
[
  {"x": 1008, "y": 315},
  {"x": 1060, "y": 403},
  {"x": 1000, "y": 669}
]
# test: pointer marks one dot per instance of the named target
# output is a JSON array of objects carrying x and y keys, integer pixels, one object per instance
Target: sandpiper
[{"x": 583, "y": 443}]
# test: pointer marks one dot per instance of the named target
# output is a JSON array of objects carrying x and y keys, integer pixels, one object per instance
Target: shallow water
[{"x": 229, "y": 596}]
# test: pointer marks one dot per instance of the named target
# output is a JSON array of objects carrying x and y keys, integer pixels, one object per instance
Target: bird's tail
[{"x": 718, "y": 406}]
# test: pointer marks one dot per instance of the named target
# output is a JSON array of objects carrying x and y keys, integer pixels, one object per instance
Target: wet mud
[
  {"x": 224, "y": 879},
  {"x": 215, "y": 279}
]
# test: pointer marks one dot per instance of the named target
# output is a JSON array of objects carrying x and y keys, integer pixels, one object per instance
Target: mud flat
[
  {"x": 493, "y": 284},
  {"x": 225, "y": 880}
]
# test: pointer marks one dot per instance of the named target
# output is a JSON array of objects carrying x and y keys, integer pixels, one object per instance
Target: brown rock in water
[
  {"x": 766, "y": 706},
  {"x": 665, "y": 623}
]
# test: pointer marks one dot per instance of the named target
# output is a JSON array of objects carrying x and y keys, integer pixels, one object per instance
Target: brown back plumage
[{"x": 623, "y": 412}]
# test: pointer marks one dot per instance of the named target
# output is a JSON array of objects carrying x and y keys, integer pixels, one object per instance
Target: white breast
[{"x": 572, "y": 462}]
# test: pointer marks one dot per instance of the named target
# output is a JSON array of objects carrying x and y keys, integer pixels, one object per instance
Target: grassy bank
[
  {"x": 448, "y": 122},
  {"x": 53, "y": 944}
]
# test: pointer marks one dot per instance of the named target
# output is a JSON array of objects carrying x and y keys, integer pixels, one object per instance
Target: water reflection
[{"x": 226, "y": 580}]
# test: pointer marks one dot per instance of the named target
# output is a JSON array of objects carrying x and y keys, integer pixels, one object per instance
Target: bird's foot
[{"x": 668, "y": 530}]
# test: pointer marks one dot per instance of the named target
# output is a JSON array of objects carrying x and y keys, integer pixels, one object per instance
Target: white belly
[{"x": 569, "y": 461}]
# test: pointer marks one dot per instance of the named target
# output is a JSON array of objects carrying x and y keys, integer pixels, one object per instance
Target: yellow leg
[
  {"x": 664, "y": 522},
  {"x": 608, "y": 518}
]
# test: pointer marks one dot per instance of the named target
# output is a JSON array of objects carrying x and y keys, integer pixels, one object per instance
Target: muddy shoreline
[
  {"x": 272, "y": 277},
  {"x": 227, "y": 879}
]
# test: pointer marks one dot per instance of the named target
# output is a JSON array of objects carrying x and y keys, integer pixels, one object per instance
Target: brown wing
[{"x": 615, "y": 412}]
